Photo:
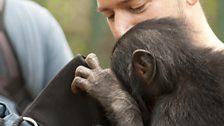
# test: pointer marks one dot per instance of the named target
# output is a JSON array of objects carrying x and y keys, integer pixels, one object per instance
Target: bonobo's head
[{"x": 149, "y": 57}]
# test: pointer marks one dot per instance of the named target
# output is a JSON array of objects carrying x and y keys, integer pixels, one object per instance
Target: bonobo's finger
[
  {"x": 92, "y": 61},
  {"x": 73, "y": 87},
  {"x": 79, "y": 83},
  {"x": 82, "y": 72}
]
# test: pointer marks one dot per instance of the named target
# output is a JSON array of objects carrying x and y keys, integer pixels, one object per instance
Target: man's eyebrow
[
  {"x": 125, "y": 1},
  {"x": 102, "y": 9}
]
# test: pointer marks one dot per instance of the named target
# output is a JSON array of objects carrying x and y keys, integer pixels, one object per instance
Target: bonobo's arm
[{"x": 104, "y": 86}]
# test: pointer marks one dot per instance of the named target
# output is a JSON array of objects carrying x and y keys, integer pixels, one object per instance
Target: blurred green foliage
[
  {"x": 221, "y": 20},
  {"x": 87, "y": 31}
]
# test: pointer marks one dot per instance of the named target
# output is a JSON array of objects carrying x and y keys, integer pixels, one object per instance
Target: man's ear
[{"x": 144, "y": 64}]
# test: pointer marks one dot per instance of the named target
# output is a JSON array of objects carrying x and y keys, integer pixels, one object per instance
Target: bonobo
[{"x": 162, "y": 79}]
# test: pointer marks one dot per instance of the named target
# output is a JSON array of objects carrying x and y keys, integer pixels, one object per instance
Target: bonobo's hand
[
  {"x": 99, "y": 83},
  {"x": 104, "y": 86}
]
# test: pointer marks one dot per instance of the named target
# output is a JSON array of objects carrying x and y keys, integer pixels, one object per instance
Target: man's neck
[{"x": 203, "y": 33}]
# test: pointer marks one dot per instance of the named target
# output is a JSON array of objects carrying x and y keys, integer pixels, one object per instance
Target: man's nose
[{"x": 121, "y": 26}]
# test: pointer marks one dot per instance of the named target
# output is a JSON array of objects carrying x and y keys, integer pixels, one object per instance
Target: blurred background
[{"x": 87, "y": 31}]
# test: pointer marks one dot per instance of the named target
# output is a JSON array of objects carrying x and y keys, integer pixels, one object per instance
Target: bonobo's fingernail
[{"x": 75, "y": 90}]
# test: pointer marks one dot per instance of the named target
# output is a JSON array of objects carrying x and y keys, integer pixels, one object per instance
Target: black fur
[{"x": 190, "y": 78}]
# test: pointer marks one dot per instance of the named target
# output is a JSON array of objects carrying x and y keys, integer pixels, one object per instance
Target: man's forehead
[
  {"x": 101, "y": 4},
  {"x": 116, "y": 1}
]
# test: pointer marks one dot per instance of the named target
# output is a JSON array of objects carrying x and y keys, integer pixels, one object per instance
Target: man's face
[{"x": 123, "y": 14}]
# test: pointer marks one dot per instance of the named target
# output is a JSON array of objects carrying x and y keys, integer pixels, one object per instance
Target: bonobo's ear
[{"x": 144, "y": 64}]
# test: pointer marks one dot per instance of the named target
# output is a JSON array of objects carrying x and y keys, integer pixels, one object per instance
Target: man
[
  {"x": 121, "y": 16},
  {"x": 40, "y": 48}
]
